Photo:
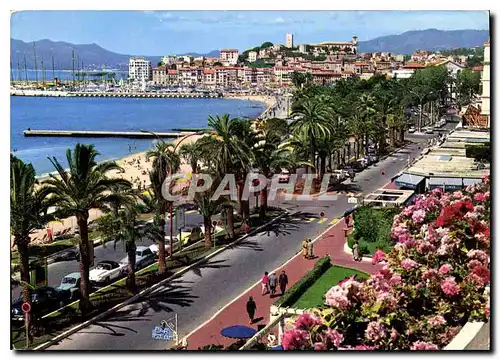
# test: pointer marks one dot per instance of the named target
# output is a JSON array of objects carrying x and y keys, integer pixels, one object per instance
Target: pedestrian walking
[
  {"x": 304, "y": 248},
  {"x": 355, "y": 251},
  {"x": 265, "y": 283},
  {"x": 310, "y": 252},
  {"x": 283, "y": 281},
  {"x": 251, "y": 307},
  {"x": 273, "y": 282}
]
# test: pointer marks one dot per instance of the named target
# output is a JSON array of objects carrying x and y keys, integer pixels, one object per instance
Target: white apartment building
[
  {"x": 485, "y": 79},
  {"x": 289, "y": 40},
  {"x": 229, "y": 57},
  {"x": 303, "y": 48},
  {"x": 139, "y": 68},
  {"x": 252, "y": 56}
]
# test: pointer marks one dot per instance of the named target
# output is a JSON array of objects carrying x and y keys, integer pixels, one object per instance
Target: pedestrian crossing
[{"x": 318, "y": 220}]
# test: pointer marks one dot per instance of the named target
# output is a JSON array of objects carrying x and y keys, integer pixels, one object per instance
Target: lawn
[{"x": 313, "y": 296}]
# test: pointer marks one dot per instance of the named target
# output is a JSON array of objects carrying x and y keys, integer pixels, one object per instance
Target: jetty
[
  {"x": 113, "y": 94},
  {"x": 104, "y": 134}
]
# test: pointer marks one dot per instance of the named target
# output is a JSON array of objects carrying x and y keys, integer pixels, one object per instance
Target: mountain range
[{"x": 96, "y": 56}]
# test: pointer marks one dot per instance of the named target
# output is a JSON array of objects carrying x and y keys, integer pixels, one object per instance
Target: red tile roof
[
  {"x": 413, "y": 66},
  {"x": 172, "y": 72},
  {"x": 477, "y": 68}
]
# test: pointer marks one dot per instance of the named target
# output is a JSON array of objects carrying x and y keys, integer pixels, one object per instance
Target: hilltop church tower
[{"x": 289, "y": 40}]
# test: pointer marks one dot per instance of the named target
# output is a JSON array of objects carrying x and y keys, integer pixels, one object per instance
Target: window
[{"x": 68, "y": 280}]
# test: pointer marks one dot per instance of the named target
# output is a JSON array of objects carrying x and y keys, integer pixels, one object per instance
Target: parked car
[
  {"x": 155, "y": 248},
  {"x": 71, "y": 282},
  {"x": 66, "y": 255},
  {"x": 372, "y": 159},
  {"x": 412, "y": 129},
  {"x": 363, "y": 162},
  {"x": 429, "y": 130},
  {"x": 284, "y": 176},
  {"x": 143, "y": 257},
  {"x": 44, "y": 300},
  {"x": 106, "y": 271}
]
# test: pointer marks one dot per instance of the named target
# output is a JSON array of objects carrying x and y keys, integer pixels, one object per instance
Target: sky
[{"x": 156, "y": 33}]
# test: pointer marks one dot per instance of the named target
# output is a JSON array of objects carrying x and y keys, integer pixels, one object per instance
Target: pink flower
[
  {"x": 378, "y": 257},
  {"x": 409, "y": 210},
  {"x": 425, "y": 247},
  {"x": 479, "y": 255},
  {"x": 394, "y": 334},
  {"x": 365, "y": 347},
  {"x": 449, "y": 286},
  {"x": 428, "y": 274},
  {"x": 398, "y": 231},
  {"x": 408, "y": 264},
  {"x": 437, "y": 320},
  {"x": 418, "y": 216},
  {"x": 395, "y": 279},
  {"x": 473, "y": 263},
  {"x": 295, "y": 340},
  {"x": 458, "y": 194},
  {"x": 334, "y": 337},
  {"x": 420, "y": 345},
  {"x": 307, "y": 321},
  {"x": 375, "y": 331},
  {"x": 319, "y": 347},
  {"x": 445, "y": 269},
  {"x": 337, "y": 297}
]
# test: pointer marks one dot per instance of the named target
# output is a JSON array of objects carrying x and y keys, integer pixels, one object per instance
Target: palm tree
[
  {"x": 312, "y": 117},
  {"x": 166, "y": 162},
  {"x": 84, "y": 186},
  {"x": 366, "y": 111},
  {"x": 28, "y": 207},
  {"x": 230, "y": 153},
  {"x": 126, "y": 228},
  {"x": 191, "y": 152},
  {"x": 268, "y": 157}
]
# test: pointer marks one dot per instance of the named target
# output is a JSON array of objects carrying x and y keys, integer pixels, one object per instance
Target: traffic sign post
[
  {"x": 26, "y": 307},
  {"x": 180, "y": 222}
]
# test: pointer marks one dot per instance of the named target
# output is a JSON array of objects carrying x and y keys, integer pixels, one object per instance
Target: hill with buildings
[{"x": 430, "y": 40}]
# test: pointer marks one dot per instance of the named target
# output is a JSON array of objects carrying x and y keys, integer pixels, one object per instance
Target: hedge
[{"x": 296, "y": 291}]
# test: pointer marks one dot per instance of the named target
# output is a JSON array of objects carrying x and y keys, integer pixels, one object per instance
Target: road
[
  {"x": 199, "y": 293},
  {"x": 58, "y": 270}
]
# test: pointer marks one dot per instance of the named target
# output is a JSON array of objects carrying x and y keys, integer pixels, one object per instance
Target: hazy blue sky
[{"x": 169, "y": 32}]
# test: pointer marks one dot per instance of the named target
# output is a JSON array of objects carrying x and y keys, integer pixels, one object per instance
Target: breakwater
[
  {"x": 105, "y": 134},
  {"x": 115, "y": 94}
]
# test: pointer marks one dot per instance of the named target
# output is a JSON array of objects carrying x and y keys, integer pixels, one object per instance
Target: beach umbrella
[{"x": 238, "y": 332}]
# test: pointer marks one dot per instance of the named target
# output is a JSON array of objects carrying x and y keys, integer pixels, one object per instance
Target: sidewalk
[{"x": 331, "y": 243}]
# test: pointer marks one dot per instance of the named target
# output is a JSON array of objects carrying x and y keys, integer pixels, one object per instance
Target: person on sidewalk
[
  {"x": 251, "y": 307},
  {"x": 265, "y": 283},
  {"x": 310, "y": 252},
  {"x": 273, "y": 282},
  {"x": 355, "y": 251},
  {"x": 283, "y": 281},
  {"x": 304, "y": 248}
]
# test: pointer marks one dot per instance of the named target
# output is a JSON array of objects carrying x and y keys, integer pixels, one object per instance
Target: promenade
[{"x": 329, "y": 243}]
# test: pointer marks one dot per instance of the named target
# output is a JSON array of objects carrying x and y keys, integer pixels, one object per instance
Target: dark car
[
  {"x": 44, "y": 300},
  {"x": 66, "y": 255}
]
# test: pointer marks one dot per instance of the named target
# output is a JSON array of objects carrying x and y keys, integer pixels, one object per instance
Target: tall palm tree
[
  {"x": 311, "y": 117},
  {"x": 125, "y": 227},
  {"x": 366, "y": 112},
  {"x": 28, "y": 208},
  {"x": 84, "y": 186},
  {"x": 191, "y": 152},
  {"x": 268, "y": 157},
  {"x": 229, "y": 152},
  {"x": 166, "y": 162}
]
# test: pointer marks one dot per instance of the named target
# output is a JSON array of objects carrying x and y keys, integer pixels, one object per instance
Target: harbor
[{"x": 116, "y": 94}]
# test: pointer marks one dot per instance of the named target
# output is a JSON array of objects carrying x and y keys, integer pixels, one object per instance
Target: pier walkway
[
  {"x": 109, "y": 134},
  {"x": 58, "y": 93}
]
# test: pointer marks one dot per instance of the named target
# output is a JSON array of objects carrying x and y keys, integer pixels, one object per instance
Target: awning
[
  {"x": 447, "y": 183},
  {"x": 409, "y": 180},
  {"x": 468, "y": 182}
]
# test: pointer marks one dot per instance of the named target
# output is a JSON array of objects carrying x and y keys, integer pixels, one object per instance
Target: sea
[{"x": 112, "y": 114}]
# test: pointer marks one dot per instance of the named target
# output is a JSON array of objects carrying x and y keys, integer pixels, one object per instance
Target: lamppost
[
  {"x": 420, "y": 99},
  {"x": 172, "y": 207}
]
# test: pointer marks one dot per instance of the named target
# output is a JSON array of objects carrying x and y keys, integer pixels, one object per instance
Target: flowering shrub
[{"x": 433, "y": 281}]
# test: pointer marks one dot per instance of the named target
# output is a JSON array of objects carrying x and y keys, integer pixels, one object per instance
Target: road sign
[
  {"x": 322, "y": 214},
  {"x": 352, "y": 200},
  {"x": 26, "y": 307},
  {"x": 180, "y": 217}
]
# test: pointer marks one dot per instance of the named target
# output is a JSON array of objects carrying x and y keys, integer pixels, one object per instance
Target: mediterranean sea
[{"x": 112, "y": 114}]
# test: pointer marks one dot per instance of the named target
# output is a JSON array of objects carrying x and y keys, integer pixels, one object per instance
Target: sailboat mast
[
  {"x": 36, "y": 71},
  {"x": 11, "y": 72},
  {"x": 73, "y": 65},
  {"x": 25, "y": 69},
  {"x": 18, "y": 68},
  {"x": 43, "y": 72},
  {"x": 53, "y": 76}
]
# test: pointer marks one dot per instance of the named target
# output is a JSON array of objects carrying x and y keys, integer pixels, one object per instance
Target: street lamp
[
  {"x": 172, "y": 207},
  {"x": 420, "y": 98}
]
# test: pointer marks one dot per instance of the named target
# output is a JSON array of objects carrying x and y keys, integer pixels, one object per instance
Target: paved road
[
  {"x": 57, "y": 271},
  {"x": 195, "y": 296}
]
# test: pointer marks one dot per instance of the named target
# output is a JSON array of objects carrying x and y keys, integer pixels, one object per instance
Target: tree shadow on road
[{"x": 288, "y": 224}]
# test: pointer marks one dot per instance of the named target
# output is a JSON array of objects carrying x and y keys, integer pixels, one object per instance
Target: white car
[
  {"x": 155, "y": 249},
  {"x": 429, "y": 130},
  {"x": 412, "y": 130},
  {"x": 284, "y": 176},
  {"x": 106, "y": 271}
]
